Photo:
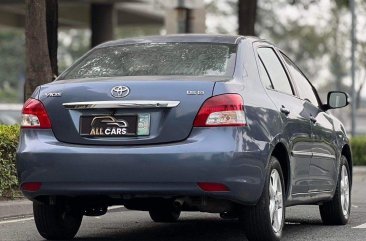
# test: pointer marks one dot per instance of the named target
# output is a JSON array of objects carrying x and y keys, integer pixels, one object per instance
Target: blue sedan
[{"x": 211, "y": 123}]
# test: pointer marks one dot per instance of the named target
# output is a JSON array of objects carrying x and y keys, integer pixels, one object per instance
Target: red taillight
[
  {"x": 34, "y": 115},
  {"x": 213, "y": 187},
  {"x": 31, "y": 186},
  {"x": 221, "y": 110}
]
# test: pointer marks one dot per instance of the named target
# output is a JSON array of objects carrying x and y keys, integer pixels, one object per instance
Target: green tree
[{"x": 41, "y": 43}]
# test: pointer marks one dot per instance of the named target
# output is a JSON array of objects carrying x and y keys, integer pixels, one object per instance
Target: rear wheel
[
  {"x": 56, "y": 222},
  {"x": 337, "y": 210},
  {"x": 167, "y": 214},
  {"x": 265, "y": 220}
]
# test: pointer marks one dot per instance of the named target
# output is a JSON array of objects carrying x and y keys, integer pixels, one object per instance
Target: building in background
[{"x": 102, "y": 17}]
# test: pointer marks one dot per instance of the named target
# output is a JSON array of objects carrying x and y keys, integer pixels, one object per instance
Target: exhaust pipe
[{"x": 178, "y": 203}]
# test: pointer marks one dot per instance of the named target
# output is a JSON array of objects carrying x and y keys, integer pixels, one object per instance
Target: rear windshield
[{"x": 187, "y": 59}]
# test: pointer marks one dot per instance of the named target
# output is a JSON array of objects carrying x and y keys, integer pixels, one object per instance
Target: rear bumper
[{"x": 209, "y": 155}]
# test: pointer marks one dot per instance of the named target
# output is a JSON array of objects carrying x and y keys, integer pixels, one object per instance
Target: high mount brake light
[
  {"x": 221, "y": 110},
  {"x": 34, "y": 115}
]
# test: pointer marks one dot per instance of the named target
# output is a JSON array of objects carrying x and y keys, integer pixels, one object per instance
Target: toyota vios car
[{"x": 164, "y": 124}]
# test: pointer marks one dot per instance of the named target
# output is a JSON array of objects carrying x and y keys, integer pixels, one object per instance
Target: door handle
[
  {"x": 284, "y": 110},
  {"x": 313, "y": 119}
]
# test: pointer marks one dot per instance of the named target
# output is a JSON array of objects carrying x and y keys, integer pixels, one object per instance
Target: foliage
[
  {"x": 11, "y": 64},
  {"x": 9, "y": 136},
  {"x": 72, "y": 44},
  {"x": 300, "y": 39},
  {"x": 358, "y": 145},
  {"x": 316, "y": 34}
]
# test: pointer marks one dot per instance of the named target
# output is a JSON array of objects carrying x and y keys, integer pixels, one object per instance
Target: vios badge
[{"x": 120, "y": 91}]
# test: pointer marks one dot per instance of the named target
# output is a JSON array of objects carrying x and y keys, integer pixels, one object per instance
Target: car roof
[{"x": 199, "y": 38}]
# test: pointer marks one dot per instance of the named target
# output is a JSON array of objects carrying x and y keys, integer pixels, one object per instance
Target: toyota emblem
[{"x": 120, "y": 91}]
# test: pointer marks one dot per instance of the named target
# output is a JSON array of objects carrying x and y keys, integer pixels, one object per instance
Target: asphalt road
[{"x": 302, "y": 223}]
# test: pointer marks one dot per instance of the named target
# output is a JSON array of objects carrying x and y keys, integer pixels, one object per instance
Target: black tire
[
  {"x": 257, "y": 219},
  {"x": 167, "y": 214},
  {"x": 331, "y": 212},
  {"x": 56, "y": 222}
]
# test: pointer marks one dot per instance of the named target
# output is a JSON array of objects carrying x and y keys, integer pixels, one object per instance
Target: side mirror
[{"x": 337, "y": 99}]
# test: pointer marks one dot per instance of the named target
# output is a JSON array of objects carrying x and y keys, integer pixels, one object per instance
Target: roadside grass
[{"x": 9, "y": 137}]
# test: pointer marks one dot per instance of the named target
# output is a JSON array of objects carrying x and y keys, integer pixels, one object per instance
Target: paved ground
[
  {"x": 14, "y": 208},
  {"x": 303, "y": 223}
]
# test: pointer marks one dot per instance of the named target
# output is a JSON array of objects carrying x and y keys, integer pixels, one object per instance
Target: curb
[{"x": 15, "y": 208}]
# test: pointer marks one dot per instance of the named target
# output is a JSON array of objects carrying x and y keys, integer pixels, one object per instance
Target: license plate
[{"x": 115, "y": 126}]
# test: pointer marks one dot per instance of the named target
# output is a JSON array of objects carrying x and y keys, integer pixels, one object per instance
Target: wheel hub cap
[
  {"x": 275, "y": 201},
  {"x": 344, "y": 191}
]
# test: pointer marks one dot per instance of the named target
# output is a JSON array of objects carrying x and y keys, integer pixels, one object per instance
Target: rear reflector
[
  {"x": 34, "y": 115},
  {"x": 31, "y": 186},
  {"x": 221, "y": 110},
  {"x": 213, "y": 187}
]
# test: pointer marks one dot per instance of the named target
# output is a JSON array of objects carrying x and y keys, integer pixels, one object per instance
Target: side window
[
  {"x": 264, "y": 76},
  {"x": 275, "y": 70},
  {"x": 306, "y": 89}
]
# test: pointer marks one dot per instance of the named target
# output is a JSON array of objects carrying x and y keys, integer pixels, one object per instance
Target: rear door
[
  {"x": 322, "y": 171},
  {"x": 156, "y": 110},
  {"x": 296, "y": 125}
]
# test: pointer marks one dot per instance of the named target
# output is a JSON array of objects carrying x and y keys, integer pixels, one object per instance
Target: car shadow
[
  {"x": 185, "y": 229},
  {"x": 209, "y": 229}
]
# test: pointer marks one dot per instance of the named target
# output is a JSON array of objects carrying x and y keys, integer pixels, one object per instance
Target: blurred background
[{"x": 316, "y": 34}]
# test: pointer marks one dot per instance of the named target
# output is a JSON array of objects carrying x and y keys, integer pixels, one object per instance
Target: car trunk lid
[{"x": 156, "y": 109}]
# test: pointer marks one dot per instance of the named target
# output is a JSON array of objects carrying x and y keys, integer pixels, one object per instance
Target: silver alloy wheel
[
  {"x": 344, "y": 191},
  {"x": 275, "y": 201}
]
